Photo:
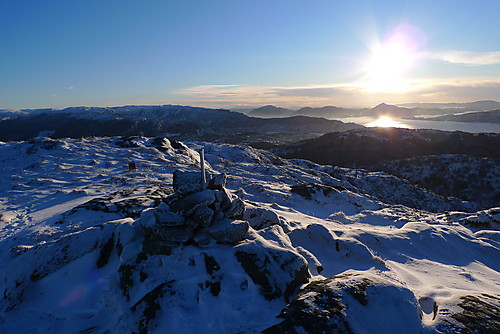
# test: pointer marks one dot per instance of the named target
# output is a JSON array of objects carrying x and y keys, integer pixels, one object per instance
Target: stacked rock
[{"x": 197, "y": 212}]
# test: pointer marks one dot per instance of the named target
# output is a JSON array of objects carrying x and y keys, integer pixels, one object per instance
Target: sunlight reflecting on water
[{"x": 387, "y": 122}]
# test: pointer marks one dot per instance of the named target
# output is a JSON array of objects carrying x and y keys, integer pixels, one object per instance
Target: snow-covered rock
[
  {"x": 260, "y": 217},
  {"x": 278, "y": 271},
  {"x": 186, "y": 183},
  {"x": 229, "y": 231},
  {"x": 352, "y": 302}
]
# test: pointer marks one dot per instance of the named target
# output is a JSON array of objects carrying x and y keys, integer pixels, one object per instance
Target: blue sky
[{"x": 238, "y": 53}]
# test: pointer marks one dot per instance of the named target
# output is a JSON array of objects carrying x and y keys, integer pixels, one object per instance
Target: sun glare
[
  {"x": 392, "y": 59},
  {"x": 386, "y": 122}
]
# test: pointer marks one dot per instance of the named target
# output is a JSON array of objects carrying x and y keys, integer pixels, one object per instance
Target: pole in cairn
[{"x": 202, "y": 163}]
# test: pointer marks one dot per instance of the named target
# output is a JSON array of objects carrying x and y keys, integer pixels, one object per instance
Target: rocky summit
[{"x": 89, "y": 244}]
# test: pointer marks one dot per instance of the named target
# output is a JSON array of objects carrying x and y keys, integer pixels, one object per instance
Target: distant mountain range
[
  {"x": 187, "y": 122},
  {"x": 492, "y": 116},
  {"x": 409, "y": 110},
  {"x": 468, "y": 106}
]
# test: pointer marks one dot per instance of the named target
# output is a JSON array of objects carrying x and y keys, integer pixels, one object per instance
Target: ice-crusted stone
[
  {"x": 147, "y": 219},
  {"x": 278, "y": 271},
  {"x": 203, "y": 215},
  {"x": 483, "y": 219},
  {"x": 315, "y": 267},
  {"x": 203, "y": 239},
  {"x": 217, "y": 181},
  {"x": 185, "y": 183},
  {"x": 237, "y": 209},
  {"x": 162, "y": 144},
  {"x": 165, "y": 216},
  {"x": 127, "y": 231},
  {"x": 174, "y": 234},
  {"x": 219, "y": 215},
  {"x": 187, "y": 205},
  {"x": 223, "y": 198},
  {"x": 260, "y": 217},
  {"x": 229, "y": 231}
]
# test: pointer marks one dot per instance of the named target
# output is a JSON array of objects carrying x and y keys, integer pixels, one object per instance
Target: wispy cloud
[
  {"x": 344, "y": 95},
  {"x": 468, "y": 57},
  {"x": 259, "y": 95},
  {"x": 71, "y": 87}
]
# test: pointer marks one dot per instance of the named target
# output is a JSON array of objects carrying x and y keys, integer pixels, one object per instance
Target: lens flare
[{"x": 92, "y": 282}]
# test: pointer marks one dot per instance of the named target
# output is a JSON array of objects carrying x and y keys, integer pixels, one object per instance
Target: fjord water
[{"x": 436, "y": 125}]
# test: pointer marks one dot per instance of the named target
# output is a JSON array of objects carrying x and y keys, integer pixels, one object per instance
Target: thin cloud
[
  {"x": 459, "y": 91},
  {"x": 469, "y": 58},
  {"x": 343, "y": 95},
  {"x": 257, "y": 95},
  {"x": 71, "y": 87}
]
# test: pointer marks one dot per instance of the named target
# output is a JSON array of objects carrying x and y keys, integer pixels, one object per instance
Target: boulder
[
  {"x": 223, "y": 198},
  {"x": 174, "y": 234},
  {"x": 217, "y": 181},
  {"x": 185, "y": 183},
  {"x": 147, "y": 219},
  {"x": 260, "y": 218},
  {"x": 343, "y": 303},
  {"x": 229, "y": 231},
  {"x": 237, "y": 209},
  {"x": 203, "y": 215},
  {"x": 187, "y": 205},
  {"x": 277, "y": 271},
  {"x": 165, "y": 216},
  {"x": 162, "y": 144},
  {"x": 219, "y": 215},
  {"x": 203, "y": 239}
]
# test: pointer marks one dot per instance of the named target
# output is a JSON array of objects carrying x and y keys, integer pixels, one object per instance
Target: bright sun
[
  {"x": 387, "y": 67},
  {"x": 391, "y": 60}
]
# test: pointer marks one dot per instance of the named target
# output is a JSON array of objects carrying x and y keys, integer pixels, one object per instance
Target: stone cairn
[{"x": 199, "y": 211}]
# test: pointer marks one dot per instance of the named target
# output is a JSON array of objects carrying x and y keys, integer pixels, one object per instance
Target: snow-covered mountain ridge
[
  {"x": 186, "y": 122},
  {"x": 325, "y": 249}
]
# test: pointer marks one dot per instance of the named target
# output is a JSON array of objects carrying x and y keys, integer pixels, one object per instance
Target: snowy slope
[
  {"x": 466, "y": 177},
  {"x": 78, "y": 258}
]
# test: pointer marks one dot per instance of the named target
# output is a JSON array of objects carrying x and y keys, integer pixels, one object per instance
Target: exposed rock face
[
  {"x": 350, "y": 303},
  {"x": 479, "y": 315},
  {"x": 484, "y": 219}
]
